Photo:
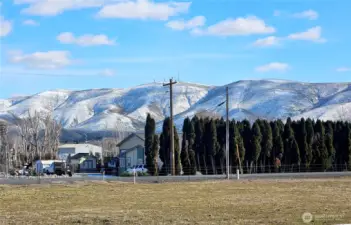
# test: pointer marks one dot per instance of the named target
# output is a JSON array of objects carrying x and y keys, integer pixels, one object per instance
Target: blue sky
[{"x": 75, "y": 44}]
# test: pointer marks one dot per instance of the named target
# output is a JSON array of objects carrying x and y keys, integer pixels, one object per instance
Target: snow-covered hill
[{"x": 126, "y": 109}]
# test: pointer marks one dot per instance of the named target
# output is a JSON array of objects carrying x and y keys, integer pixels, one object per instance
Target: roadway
[{"x": 161, "y": 179}]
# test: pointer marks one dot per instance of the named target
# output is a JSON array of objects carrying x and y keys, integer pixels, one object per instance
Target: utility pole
[
  {"x": 227, "y": 132},
  {"x": 172, "y": 160}
]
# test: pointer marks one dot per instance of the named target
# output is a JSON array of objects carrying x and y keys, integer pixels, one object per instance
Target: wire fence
[{"x": 182, "y": 175}]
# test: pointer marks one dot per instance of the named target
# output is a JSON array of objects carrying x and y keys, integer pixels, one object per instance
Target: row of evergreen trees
[{"x": 261, "y": 147}]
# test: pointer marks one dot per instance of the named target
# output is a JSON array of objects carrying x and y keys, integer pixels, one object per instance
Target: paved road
[{"x": 46, "y": 180}]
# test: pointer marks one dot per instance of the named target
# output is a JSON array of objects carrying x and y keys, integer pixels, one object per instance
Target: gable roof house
[{"x": 132, "y": 151}]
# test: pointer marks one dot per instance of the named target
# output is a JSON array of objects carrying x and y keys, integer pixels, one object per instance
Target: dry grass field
[{"x": 244, "y": 202}]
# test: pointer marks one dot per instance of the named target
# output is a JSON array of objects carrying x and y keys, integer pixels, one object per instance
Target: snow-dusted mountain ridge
[{"x": 126, "y": 109}]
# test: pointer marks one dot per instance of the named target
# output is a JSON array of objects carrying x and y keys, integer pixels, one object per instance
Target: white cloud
[
  {"x": 30, "y": 23},
  {"x": 169, "y": 58},
  {"x": 234, "y": 27},
  {"x": 108, "y": 73},
  {"x": 55, "y": 7},
  {"x": 274, "y": 66},
  {"x": 268, "y": 41},
  {"x": 42, "y": 60},
  {"x": 343, "y": 69},
  {"x": 143, "y": 9},
  {"x": 308, "y": 14},
  {"x": 277, "y": 13},
  {"x": 5, "y": 27},
  {"x": 312, "y": 34},
  {"x": 197, "y": 21},
  {"x": 13, "y": 71},
  {"x": 85, "y": 40}
]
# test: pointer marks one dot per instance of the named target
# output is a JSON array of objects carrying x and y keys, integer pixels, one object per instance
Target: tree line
[{"x": 304, "y": 145}]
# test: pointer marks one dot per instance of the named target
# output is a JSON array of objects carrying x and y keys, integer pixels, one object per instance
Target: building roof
[
  {"x": 48, "y": 161},
  {"x": 77, "y": 145},
  {"x": 139, "y": 135},
  {"x": 124, "y": 151},
  {"x": 79, "y": 155}
]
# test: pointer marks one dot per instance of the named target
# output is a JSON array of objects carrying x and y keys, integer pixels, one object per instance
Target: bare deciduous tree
[{"x": 39, "y": 136}]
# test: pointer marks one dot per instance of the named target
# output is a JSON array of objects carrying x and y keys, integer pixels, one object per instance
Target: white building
[
  {"x": 44, "y": 164},
  {"x": 72, "y": 149}
]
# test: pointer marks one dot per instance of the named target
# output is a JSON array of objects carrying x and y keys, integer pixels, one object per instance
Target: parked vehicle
[
  {"x": 57, "y": 168},
  {"x": 137, "y": 168}
]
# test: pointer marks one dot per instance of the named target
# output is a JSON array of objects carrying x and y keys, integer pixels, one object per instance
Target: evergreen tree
[
  {"x": 266, "y": 144},
  {"x": 309, "y": 141},
  {"x": 165, "y": 147},
  {"x": 301, "y": 138},
  {"x": 149, "y": 139},
  {"x": 278, "y": 146},
  {"x": 198, "y": 145},
  {"x": 319, "y": 152},
  {"x": 329, "y": 158},
  {"x": 256, "y": 143},
  {"x": 348, "y": 146},
  {"x": 184, "y": 155},
  {"x": 291, "y": 148},
  {"x": 245, "y": 128},
  {"x": 237, "y": 142},
  {"x": 281, "y": 127},
  {"x": 191, "y": 140},
  {"x": 155, "y": 153},
  {"x": 177, "y": 159},
  {"x": 221, "y": 146},
  {"x": 211, "y": 143}
]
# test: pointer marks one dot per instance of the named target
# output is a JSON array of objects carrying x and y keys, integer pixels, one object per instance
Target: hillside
[{"x": 126, "y": 109}]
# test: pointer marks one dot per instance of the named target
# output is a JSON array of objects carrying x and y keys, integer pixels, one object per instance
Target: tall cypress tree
[
  {"x": 309, "y": 140},
  {"x": 278, "y": 146},
  {"x": 281, "y": 126},
  {"x": 348, "y": 146},
  {"x": 329, "y": 144},
  {"x": 184, "y": 155},
  {"x": 191, "y": 152},
  {"x": 319, "y": 152},
  {"x": 149, "y": 139},
  {"x": 237, "y": 142},
  {"x": 198, "y": 145},
  {"x": 155, "y": 154},
  {"x": 165, "y": 147},
  {"x": 266, "y": 144},
  {"x": 301, "y": 138},
  {"x": 221, "y": 140},
  {"x": 291, "y": 148},
  {"x": 211, "y": 144},
  {"x": 188, "y": 155},
  {"x": 177, "y": 159},
  {"x": 245, "y": 128},
  {"x": 256, "y": 143}
]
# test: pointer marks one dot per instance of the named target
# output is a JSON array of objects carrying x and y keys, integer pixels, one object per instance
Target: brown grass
[{"x": 244, "y": 202}]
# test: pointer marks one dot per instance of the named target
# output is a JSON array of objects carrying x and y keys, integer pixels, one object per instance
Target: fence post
[
  {"x": 237, "y": 174},
  {"x": 134, "y": 176}
]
